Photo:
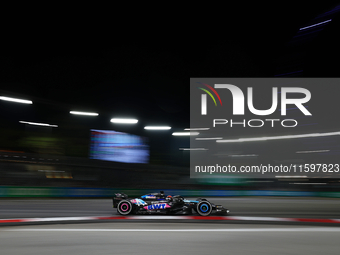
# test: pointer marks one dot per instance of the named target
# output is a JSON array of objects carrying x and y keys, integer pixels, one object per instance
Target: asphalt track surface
[
  {"x": 324, "y": 208},
  {"x": 168, "y": 238}
]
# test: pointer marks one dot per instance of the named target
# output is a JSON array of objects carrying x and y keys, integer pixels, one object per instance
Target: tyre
[
  {"x": 124, "y": 207},
  {"x": 204, "y": 208}
]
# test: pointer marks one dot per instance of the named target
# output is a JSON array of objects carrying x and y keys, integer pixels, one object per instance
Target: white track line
[
  {"x": 180, "y": 230},
  {"x": 59, "y": 219},
  {"x": 258, "y": 218}
]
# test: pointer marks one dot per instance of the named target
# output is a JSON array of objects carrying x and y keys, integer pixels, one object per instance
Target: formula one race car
[{"x": 159, "y": 203}]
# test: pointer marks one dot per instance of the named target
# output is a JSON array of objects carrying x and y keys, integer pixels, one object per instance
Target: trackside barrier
[{"x": 50, "y": 192}]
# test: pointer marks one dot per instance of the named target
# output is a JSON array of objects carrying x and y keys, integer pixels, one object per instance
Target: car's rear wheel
[
  {"x": 204, "y": 208},
  {"x": 124, "y": 207}
]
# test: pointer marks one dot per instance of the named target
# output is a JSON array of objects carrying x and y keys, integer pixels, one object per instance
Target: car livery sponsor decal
[
  {"x": 149, "y": 197},
  {"x": 157, "y": 206},
  {"x": 138, "y": 201},
  {"x": 158, "y": 201},
  {"x": 190, "y": 201}
]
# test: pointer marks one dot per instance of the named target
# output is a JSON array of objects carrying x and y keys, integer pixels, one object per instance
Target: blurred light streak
[
  {"x": 84, "y": 113},
  {"x": 278, "y": 137},
  {"x": 124, "y": 121},
  {"x": 209, "y": 138},
  {"x": 185, "y": 133},
  {"x": 310, "y": 183},
  {"x": 196, "y": 129},
  {"x": 317, "y": 24},
  {"x": 293, "y": 108},
  {"x": 312, "y": 151},
  {"x": 291, "y": 176},
  {"x": 38, "y": 124},
  {"x": 51, "y": 171},
  {"x": 309, "y": 124},
  {"x": 259, "y": 181},
  {"x": 193, "y": 149},
  {"x": 246, "y": 155},
  {"x": 157, "y": 127},
  {"x": 17, "y": 100}
]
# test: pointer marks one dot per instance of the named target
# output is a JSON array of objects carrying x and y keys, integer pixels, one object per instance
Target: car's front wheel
[
  {"x": 204, "y": 208},
  {"x": 124, "y": 207}
]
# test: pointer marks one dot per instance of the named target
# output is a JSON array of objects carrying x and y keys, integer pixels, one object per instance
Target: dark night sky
[{"x": 140, "y": 65}]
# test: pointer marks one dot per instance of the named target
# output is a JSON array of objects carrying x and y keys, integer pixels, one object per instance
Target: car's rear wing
[{"x": 117, "y": 198}]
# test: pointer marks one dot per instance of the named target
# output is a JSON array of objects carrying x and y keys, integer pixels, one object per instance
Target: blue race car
[{"x": 159, "y": 203}]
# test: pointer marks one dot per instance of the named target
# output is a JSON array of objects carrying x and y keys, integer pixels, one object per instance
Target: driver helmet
[{"x": 169, "y": 198}]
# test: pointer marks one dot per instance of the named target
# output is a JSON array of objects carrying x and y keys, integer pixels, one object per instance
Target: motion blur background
[{"x": 139, "y": 67}]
